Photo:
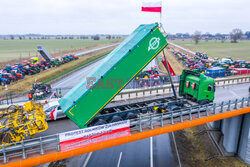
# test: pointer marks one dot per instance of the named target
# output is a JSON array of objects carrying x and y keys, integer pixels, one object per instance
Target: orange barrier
[{"x": 138, "y": 136}]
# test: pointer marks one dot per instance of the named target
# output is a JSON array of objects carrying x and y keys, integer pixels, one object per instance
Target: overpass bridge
[{"x": 49, "y": 148}]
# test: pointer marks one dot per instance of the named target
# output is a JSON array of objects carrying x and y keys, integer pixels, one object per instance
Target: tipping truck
[{"x": 196, "y": 86}]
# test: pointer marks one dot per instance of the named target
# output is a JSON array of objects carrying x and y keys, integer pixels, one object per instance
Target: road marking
[
  {"x": 87, "y": 159},
  {"x": 119, "y": 161},
  {"x": 151, "y": 152},
  {"x": 177, "y": 153}
]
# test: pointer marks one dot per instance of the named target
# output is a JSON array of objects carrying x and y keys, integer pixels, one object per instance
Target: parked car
[{"x": 53, "y": 111}]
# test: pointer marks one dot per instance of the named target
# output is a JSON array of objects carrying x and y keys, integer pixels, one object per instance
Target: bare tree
[
  {"x": 236, "y": 34},
  {"x": 197, "y": 36}
]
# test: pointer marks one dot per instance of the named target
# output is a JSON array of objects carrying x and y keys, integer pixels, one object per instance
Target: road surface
[{"x": 180, "y": 47}]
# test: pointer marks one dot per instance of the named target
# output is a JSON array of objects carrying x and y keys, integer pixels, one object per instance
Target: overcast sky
[{"x": 120, "y": 16}]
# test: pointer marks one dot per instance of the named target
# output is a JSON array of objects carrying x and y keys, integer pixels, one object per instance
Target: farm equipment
[
  {"x": 55, "y": 62},
  {"x": 45, "y": 64},
  {"x": 9, "y": 77},
  {"x": 35, "y": 68},
  {"x": 226, "y": 61},
  {"x": 15, "y": 72},
  {"x": 34, "y": 60},
  {"x": 21, "y": 122},
  {"x": 201, "y": 55},
  {"x": 197, "y": 87},
  {"x": 40, "y": 90},
  {"x": 4, "y": 81},
  {"x": 148, "y": 73},
  {"x": 65, "y": 60},
  {"x": 29, "y": 69}
]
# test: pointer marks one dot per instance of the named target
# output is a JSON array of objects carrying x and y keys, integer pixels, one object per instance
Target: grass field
[
  {"x": 240, "y": 50},
  {"x": 19, "y": 49}
]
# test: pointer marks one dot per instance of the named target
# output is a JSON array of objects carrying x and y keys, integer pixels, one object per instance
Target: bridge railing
[
  {"x": 134, "y": 89},
  {"x": 47, "y": 144},
  {"x": 165, "y": 89},
  {"x": 190, "y": 113}
]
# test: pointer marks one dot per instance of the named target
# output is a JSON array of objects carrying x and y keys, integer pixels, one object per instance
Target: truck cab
[
  {"x": 197, "y": 87},
  {"x": 34, "y": 60}
]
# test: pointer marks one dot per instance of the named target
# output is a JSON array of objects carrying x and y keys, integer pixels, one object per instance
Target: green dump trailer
[
  {"x": 97, "y": 89},
  {"x": 197, "y": 86}
]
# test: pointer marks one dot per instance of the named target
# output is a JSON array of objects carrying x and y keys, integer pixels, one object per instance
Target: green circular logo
[{"x": 154, "y": 43}]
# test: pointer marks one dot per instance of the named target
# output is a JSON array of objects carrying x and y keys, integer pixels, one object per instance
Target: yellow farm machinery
[{"x": 21, "y": 122}]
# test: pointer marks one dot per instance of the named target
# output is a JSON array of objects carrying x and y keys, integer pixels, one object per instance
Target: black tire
[
  {"x": 100, "y": 122},
  {"x": 202, "y": 102},
  {"x": 131, "y": 115},
  {"x": 115, "y": 118}
]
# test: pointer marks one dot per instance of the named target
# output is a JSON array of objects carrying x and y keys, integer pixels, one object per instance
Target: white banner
[{"x": 93, "y": 131}]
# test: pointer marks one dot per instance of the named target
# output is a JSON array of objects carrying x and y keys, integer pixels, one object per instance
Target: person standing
[{"x": 30, "y": 96}]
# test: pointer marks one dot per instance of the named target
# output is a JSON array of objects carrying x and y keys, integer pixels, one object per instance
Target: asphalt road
[
  {"x": 178, "y": 46},
  {"x": 155, "y": 151}
]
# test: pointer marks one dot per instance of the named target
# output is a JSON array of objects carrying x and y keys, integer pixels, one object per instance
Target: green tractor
[{"x": 55, "y": 63}]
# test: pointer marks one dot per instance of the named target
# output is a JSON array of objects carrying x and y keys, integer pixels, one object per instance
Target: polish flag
[{"x": 151, "y": 6}]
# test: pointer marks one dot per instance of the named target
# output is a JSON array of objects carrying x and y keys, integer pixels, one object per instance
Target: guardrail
[
  {"x": 48, "y": 144},
  {"x": 159, "y": 90},
  {"x": 138, "y": 92}
]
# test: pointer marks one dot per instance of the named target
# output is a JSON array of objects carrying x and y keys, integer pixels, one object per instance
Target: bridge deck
[{"x": 148, "y": 126}]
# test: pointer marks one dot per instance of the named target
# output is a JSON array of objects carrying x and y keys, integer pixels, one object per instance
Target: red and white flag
[
  {"x": 53, "y": 114},
  {"x": 151, "y": 6}
]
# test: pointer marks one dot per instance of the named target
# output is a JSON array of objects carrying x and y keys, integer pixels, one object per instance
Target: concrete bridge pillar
[
  {"x": 216, "y": 124},
  {"x": 231, "y": 130},
  {"x": 244, "y": 146}
]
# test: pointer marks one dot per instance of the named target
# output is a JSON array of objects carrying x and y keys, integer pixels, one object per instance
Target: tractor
[{"x": 148, "y": 73}]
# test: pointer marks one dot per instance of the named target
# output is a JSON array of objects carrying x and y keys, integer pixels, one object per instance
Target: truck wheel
[
  {"x": 100, "y": 122},
  {"x": 131, "y": 116},
  {"x": 115, "y": 118},
  {"x": 202, "y": 102}
]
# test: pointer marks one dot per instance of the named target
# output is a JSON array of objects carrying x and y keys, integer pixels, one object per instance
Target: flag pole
[{"x": 160, "y": 20}]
